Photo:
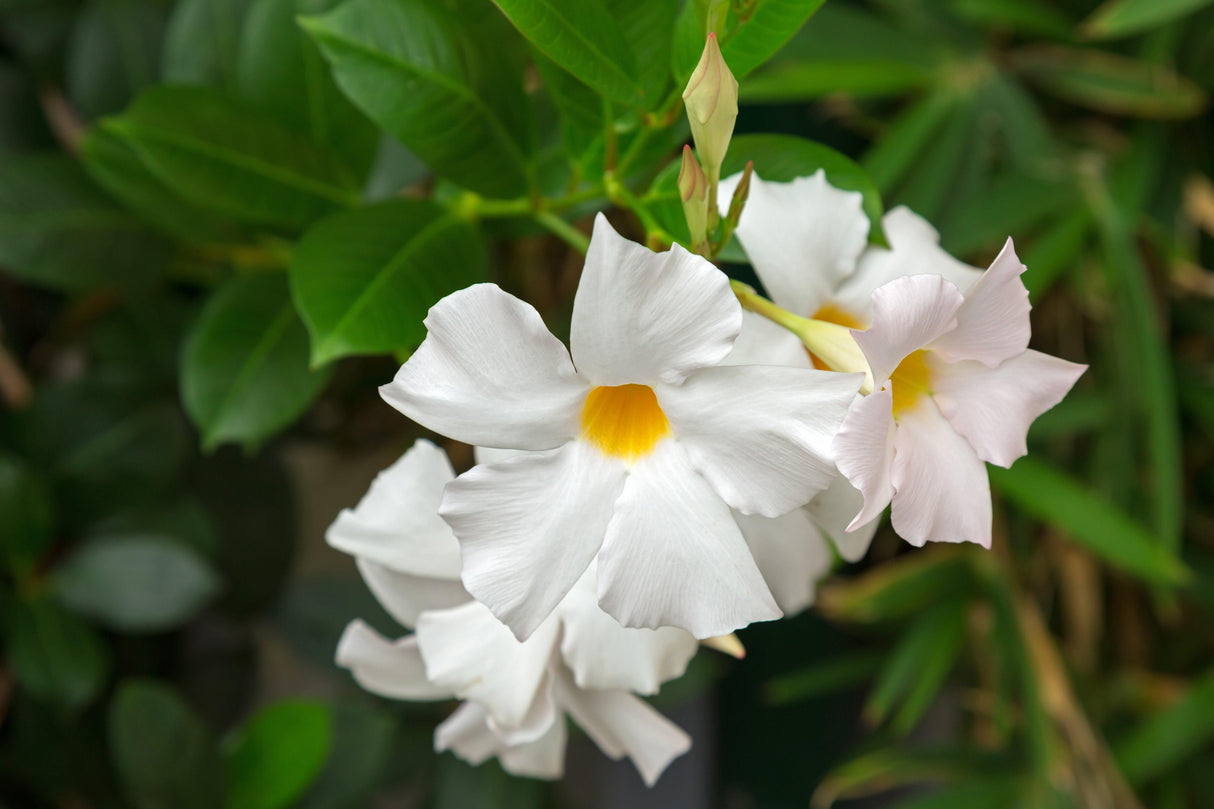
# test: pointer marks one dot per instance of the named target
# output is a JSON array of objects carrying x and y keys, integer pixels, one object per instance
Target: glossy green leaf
[
  {"x": 411, "y": 70},
  {"x": 274, "y": 758},
  {"x": 54, "y": 655},
  {"x": 747, "y": 42},
  {"x": 116, "y": 167},
  {"x": 202, "y": 41},
  {"x": 646, "y": 26},
  {"x": 113, "y": 54},
  {"x": 1110, "y": 83},
  {"x": 135, "y": 583},
  {"x": 164, "y": 756},
  {"x": 233, "y": 158},
  {"x": 583, "y": 38},
  {"x": 280, "y": 69},
  {"x": 245, "y": 371},
  {"x": 363, "y": 736},
  {"x": 1162, "y": 742},
  {"x": 57, "y": 230},
  {"x": 27, "y": 516},
  {"x": 864, "y": 78},
  {"x": 364, "y": 280},
  {"x": 1119, "y": 18},
  {"x": 1088, "y": 519}
]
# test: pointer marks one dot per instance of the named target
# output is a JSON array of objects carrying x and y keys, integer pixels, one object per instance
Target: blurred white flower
[
  {"x": 955, "y": 385},
  {"x": 579, "y": 661},
  {"x": 653, "y": 442}
]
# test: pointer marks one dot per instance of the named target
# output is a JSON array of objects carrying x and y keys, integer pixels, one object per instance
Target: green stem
[
  {"x": 563, "y": 230},
  {"x": 829, "y": 342},
  {"x": 618, "y": 193}
]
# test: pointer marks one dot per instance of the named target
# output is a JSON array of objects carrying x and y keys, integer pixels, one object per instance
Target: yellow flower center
[
  {"x": 910, "y": 380},
  {"x": 840, "y": 317},
  {"x": 624, "y": 420}
]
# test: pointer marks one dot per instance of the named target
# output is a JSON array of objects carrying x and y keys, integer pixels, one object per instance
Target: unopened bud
[
  {"x": 711, "y": 99},
  {"x": 693, "y": 191}
]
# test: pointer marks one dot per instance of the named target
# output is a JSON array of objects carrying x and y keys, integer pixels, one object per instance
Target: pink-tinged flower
[
  {"x": 955, "y": 385},
  {"x": 579, "y": 662},
  {"x": 808, "y": 244},
  {"x": 653, "y": 442}
]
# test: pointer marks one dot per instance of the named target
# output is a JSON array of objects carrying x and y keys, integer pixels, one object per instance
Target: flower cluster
[{"x": 686, "y": 467}]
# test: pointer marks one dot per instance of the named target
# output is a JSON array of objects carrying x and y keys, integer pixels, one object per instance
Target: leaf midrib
[{"x": 256, "y": 358}]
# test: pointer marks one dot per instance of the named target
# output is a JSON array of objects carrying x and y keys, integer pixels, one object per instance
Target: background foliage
[{"x": 221, "y": 222}]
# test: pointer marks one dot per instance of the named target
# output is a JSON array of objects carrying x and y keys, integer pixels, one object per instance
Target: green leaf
[
  {"x": 1119, "y": 18},
  {"x": 116, "y": 167},
  {"x": 1055, "y": 251},
  {"x": 1164, "y": 741},
  {"x": 996, "y": 792},
  {"x": 136, "y": 583},
  {"x": 1027, "y": 16},
  {"x": 245, "y": 372},
  {"x": 788, "y": 82},
  {"x": 281, "y": 69},
  {"x": 114, "y": 53},
  {"x": 915, "y": 671},
  {"x": 487, "y": 786},
  {"x": 411, "y": 71},
  {"x": 646, "y": 26},
  {"x": 1013, "y": 203},
  {"x": 894, "y": 153},
  {"x": 59, "y": 231},
  {"x": 364, "y": 280},
  {"x": 746, "y": 43},
  {"x": 274, "y": 758},
  {"x": 233, "y": 158},
  {"x": 53, "y": 654},
  {"x": 886, "y": 768},
  {"x": 164, "y": 755},
  {"x": 835, "y": 674},
  {"x": 580, "y": 36},
  {"x": 1089, "y": 520},
  {"x": 202, "y": 41},
  {"x": 1110, "y": 83},
  {"x": 27, "y": 516},
  {"x": 363, "y": 736}
]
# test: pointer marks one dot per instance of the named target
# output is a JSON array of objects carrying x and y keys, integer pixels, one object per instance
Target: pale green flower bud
[
  {"x": 693, "y": 190},
  {"x": 711, "y": 99}
]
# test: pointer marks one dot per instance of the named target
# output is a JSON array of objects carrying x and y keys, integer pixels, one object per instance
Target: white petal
[
  {"x": 864, "y": 453},
  {"x": 993, "y": 323},
  {"x": 529, "y": 526},
  {"x": 760, "y": 435},
  {"x": 994, "y": 407},
  {"x": 474, "y": 656},
  {"x": 389, "y": 668},
  {"x": 791, "y": 554},
  {"x": 405, "y": 596},
  {"x": 674, "y": 556},
  {"x": 542, "y": 758},
  {"x": 941, "y": 491},
  {"x": 802, "y": 237},
  {"x": 764, "y": 343},
  {"x": 623, "y": 724},
  {"x": 832, "y": 511},
  {"x": 641, "y": 317},
  {"x": 489, "y": 372},
  {"x": 914, "y": 250},
  {"x": 908, "y": 313},
  {"x": 467, "y": 734},
  {"x": 603, "y": 654},
  {"x": 396, "y": 523}
]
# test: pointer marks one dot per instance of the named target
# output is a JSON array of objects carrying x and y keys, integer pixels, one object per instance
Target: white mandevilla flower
[
  {"x": 955, "y": 385},
  {"x": 808, "y": 244},
  {"x": 579, "y": 661},
  {"x": 654, "y": 442}
]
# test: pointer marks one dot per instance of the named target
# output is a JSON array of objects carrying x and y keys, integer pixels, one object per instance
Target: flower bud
[
  {"x": 693, "y": 190},
  {"x": 711, "y": 99}
]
